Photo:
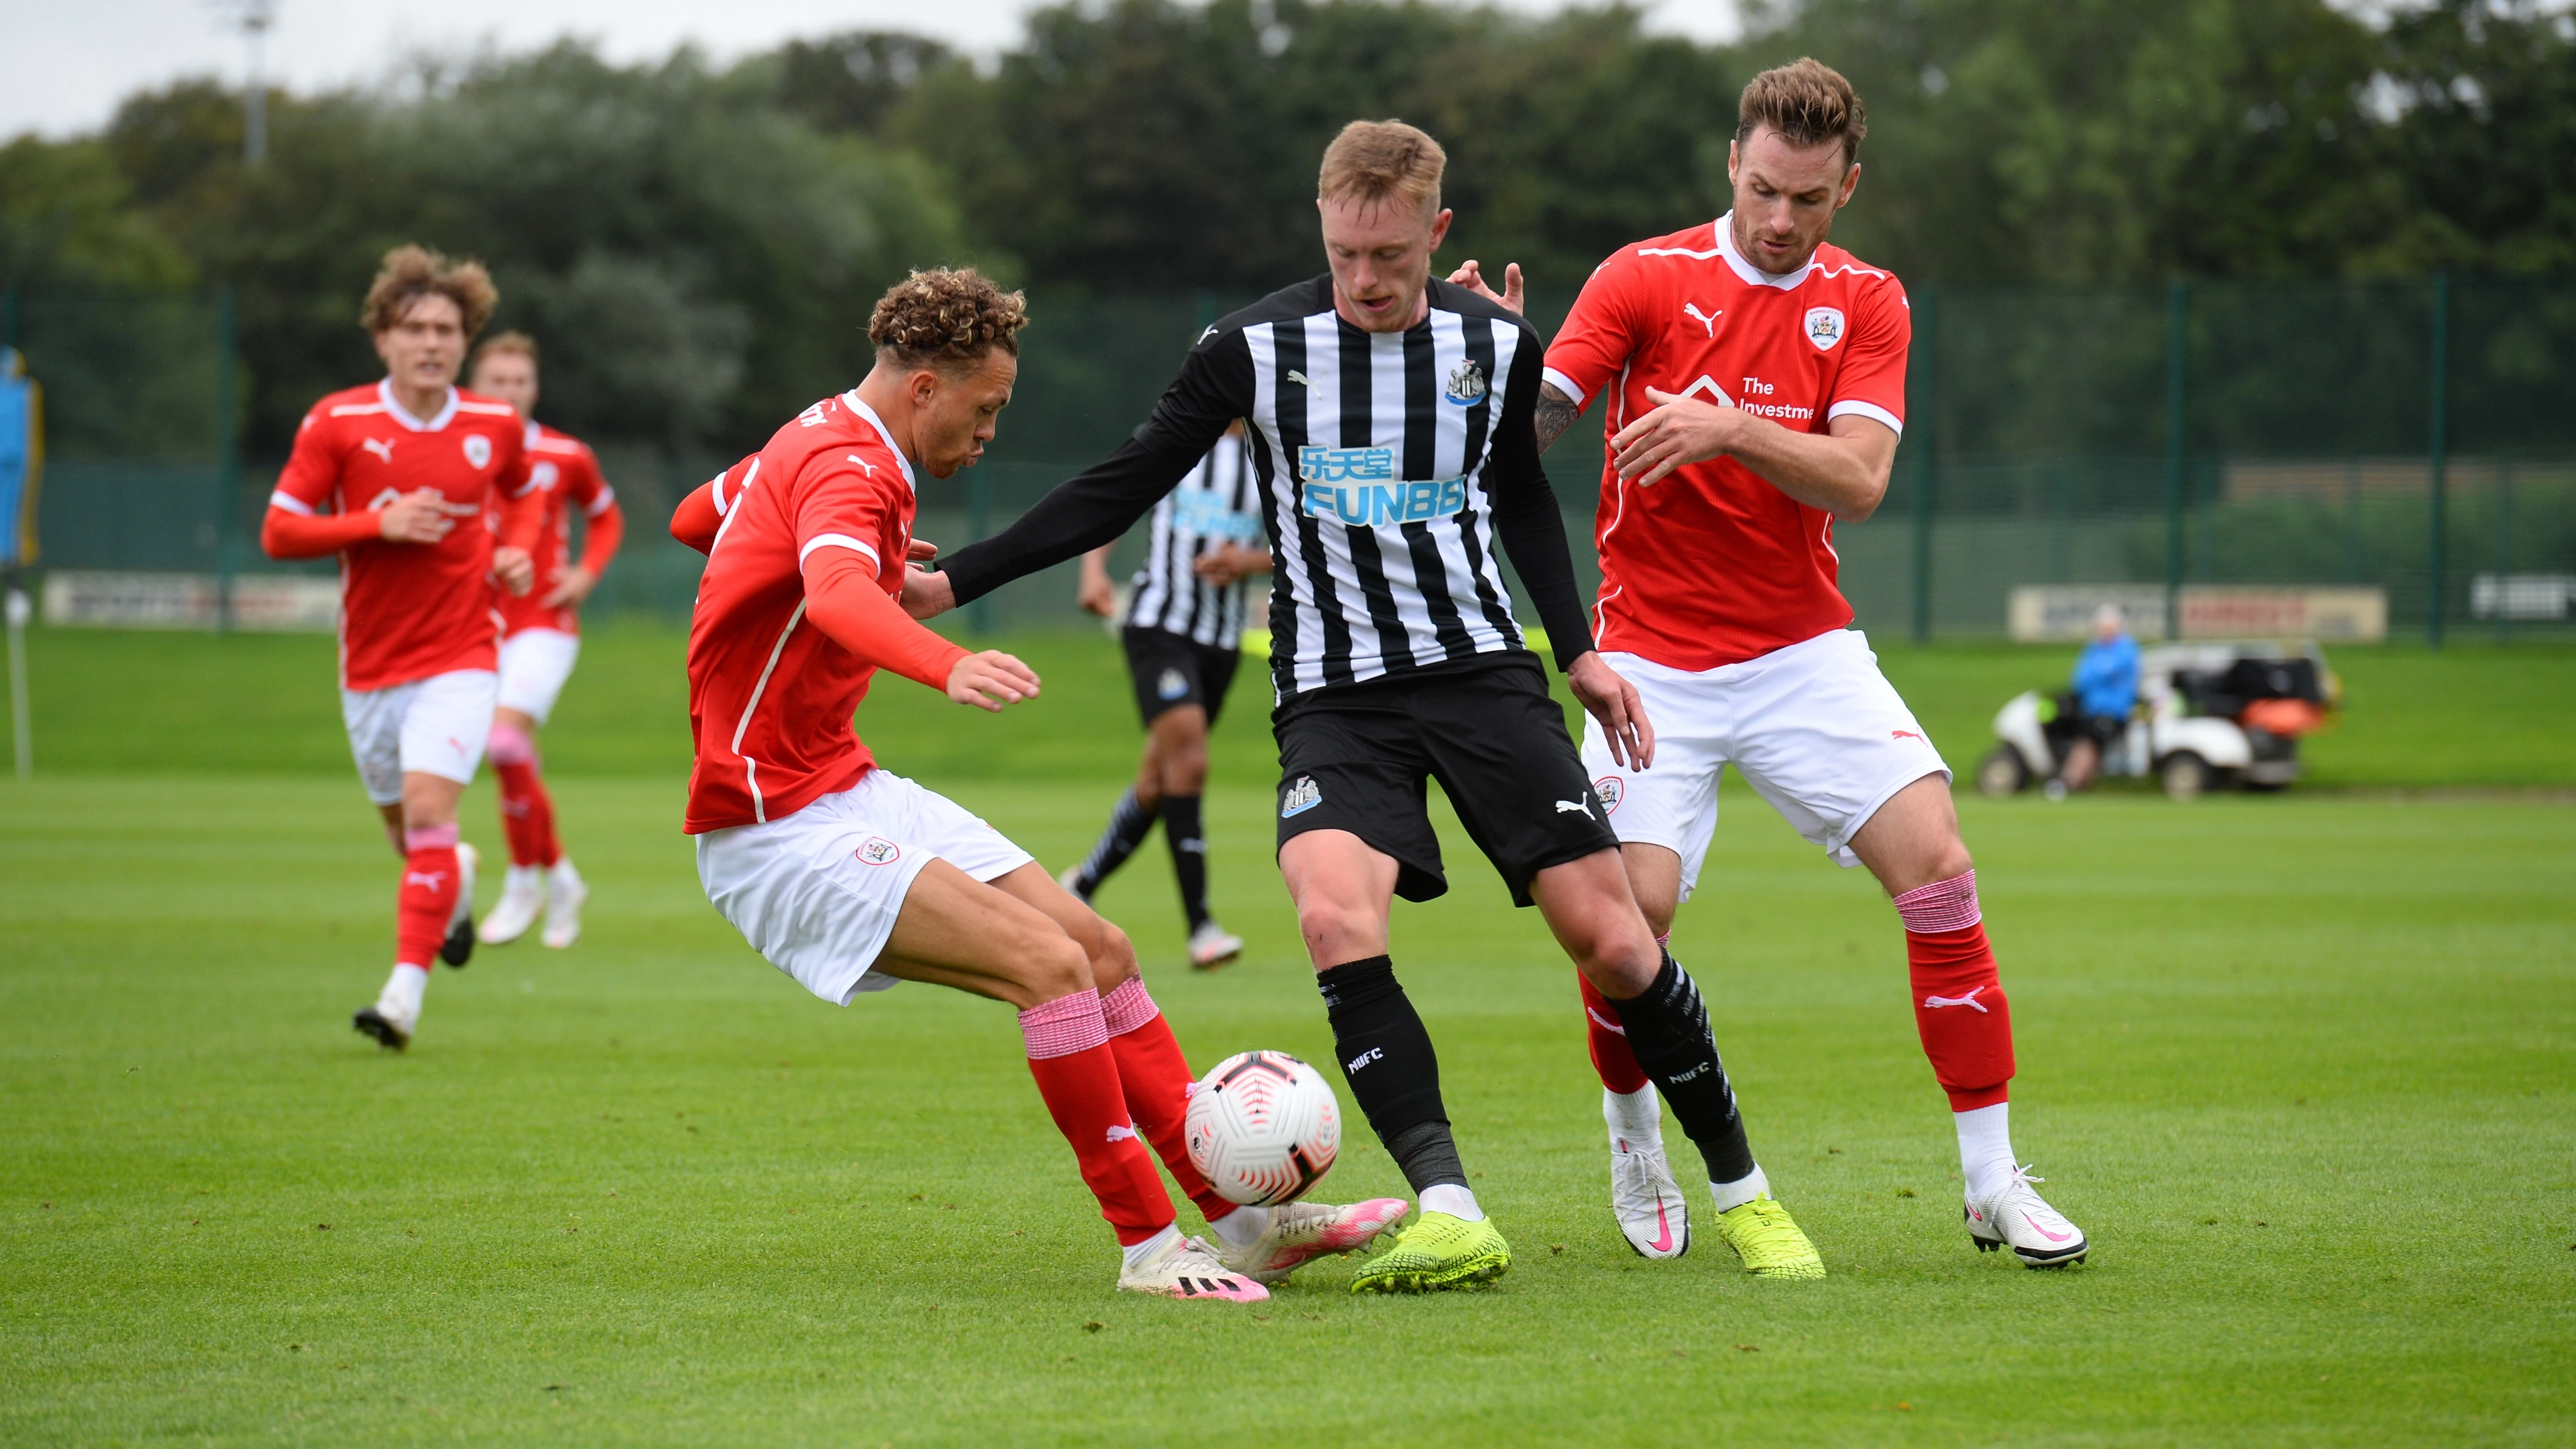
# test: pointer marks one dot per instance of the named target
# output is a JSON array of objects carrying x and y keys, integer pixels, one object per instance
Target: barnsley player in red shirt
[
  {"x": 850, "y": 878},
  {"x": 540, "y": 639},
  {"x": 1756, "y": 381},
  {"x": 418, "y": 487}
]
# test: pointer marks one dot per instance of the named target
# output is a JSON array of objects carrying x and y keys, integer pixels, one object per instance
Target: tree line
[{"x": 701, "y": 242}]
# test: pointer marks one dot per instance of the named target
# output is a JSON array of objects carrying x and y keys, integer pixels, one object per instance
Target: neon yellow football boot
[
  {"x": 1763, "y": 1235},
  {"x": 1438, "y": 1251}
]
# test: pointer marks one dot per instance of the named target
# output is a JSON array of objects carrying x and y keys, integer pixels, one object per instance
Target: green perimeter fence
[{"x": 2416, "y": 437}]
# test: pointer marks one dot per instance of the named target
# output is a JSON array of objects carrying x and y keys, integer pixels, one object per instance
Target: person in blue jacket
[{"x": 2105, "y": 690}]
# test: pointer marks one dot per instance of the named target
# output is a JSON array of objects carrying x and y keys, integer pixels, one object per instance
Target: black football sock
[
  {"x": 1386, "y": 1057},
  {"x": 1127, "y": 827},
  {"x": 1188, "y": 841},
  {"x": 1668, "y": 1030}
]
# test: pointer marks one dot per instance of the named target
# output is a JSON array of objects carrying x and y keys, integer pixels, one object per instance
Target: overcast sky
[{"x": 64, "y": 66}]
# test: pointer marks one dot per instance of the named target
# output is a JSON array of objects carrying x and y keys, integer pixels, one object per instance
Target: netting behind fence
[{"x": 2414, "y": 436}]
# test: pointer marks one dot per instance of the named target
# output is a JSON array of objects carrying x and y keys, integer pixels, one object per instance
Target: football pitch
[{"x": 2303, "y": 1066}]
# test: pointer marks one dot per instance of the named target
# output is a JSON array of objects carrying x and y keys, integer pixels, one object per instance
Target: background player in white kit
[
  {"x": 540, "y": 640},
  {"x": 850, "y": 878},
  {"x": 1756, "y": 380},
  {"x": 418, "y": 487},
  {"x": 1182, "y": 633}
]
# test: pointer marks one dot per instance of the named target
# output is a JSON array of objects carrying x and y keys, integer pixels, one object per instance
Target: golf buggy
[{"x": 2208, "y": 716}]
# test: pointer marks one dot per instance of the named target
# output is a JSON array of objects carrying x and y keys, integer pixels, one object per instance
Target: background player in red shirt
[
  {"x": 1757, "y": 387},
  {"x": 415, "y": 485},
  {"x": 540, "y": 639},
  {"x": 850, "y": 878}
]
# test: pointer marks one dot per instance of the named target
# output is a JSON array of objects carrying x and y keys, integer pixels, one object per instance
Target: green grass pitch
[{"x": 2301, "y": 1066}]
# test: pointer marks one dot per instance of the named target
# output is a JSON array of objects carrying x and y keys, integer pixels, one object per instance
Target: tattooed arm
[{"x": 1555, "y": 413}]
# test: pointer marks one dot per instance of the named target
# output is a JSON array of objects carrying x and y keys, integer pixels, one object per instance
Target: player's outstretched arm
[{"x": 843, "y": 599}]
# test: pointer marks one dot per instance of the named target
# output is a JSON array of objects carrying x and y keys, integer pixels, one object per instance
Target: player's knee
[
  {"x": 1336, "y": 931},
  {"x": 1185, "y": 770},
  {"x": 1111, "y": 954},
  {"x": 1054, "y": 968}
]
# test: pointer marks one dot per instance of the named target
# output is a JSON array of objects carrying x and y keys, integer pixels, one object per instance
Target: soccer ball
[{"x": 1263, "y": 1128}]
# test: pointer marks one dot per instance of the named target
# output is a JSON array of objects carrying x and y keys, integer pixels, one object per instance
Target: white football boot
[
  {"x": 395, "y": 1017},
  {"x": 1187, "y": 1268},
  {"x": 1212, "y": 945},
  {"x": 1653, "y": 1215},
  {"x": 2016, "y": 1217},
  {"x": 523, "y": 895},
  {"x": 1299, "y": 1231},
  {"x": 458, "y": 948},
  {"x": 1071, "y": 880},
  {"x": 565, "y": 892}
]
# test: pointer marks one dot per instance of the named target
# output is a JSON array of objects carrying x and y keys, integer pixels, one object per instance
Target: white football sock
[
  {"x": 524, "y": 878},
  {"x": 1451, "y": 1198},
  {"x": 403, "y": 989},
  {"x": 1637, "y": 1116},
  {"x": 1137, "y": 1255},
  {"x": 1985, "y": 1149},
  {"x": 562, "y": 873},
  {"x": 1240, "y": 1228},
  {"x": 1741, "y": 1191}
]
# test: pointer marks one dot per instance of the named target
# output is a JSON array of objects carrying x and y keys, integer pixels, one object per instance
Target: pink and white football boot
[
  {"x": 1186, "y": 1268},
  {"x": 2017, "y": 1218},
  {"x": 1299, "y": 1231}
]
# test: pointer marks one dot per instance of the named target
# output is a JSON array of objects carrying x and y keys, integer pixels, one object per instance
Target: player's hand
[
  {"x": 419, "y": 516},
  {"x": 1094, "y": 592},
  {"x": 920, "y": 551},
  {"x": 1680, "y": 430},
  {"x": 572, "y": 585},
  {"x": 926, "y": 595},
  {"x": 991, "y": 680},
  {"x": 1471, "y": 277},
  {"x": 1228, "y": 562},
  {"x": 516, "y": 571},
  {"x": 1608, "y": 697}
]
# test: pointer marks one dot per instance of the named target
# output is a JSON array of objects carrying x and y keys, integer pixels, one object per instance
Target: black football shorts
[
  {"x": 1358, "y": 757},
  {"x": 1171, "y": 670}
]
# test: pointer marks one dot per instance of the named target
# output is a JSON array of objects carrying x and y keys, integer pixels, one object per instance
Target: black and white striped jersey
[
  {"x": 1389, "y": 465},
  {"x": 1218, "y": 503}
]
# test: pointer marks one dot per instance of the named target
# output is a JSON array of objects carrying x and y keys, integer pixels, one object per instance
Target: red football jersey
[
  {"x": 770, "y": 695},
  {"x": 410, "y": 610},
  {"x": 563, "y": 474},
  {"x": 1712, "y": 565}
]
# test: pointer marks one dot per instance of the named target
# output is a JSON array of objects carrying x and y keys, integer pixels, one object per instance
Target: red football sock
[
  {"x": 1157, "y": 1081},
  {"x": 1610, "y": 1054},
  {"x": 1078, "y": 1075},
  {"x": 527, "y": 812},
  {"x": 1959, "y": 1005},
  {"x": 427, "y": 901}
]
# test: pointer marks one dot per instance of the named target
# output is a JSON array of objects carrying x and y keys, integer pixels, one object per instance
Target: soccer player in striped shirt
[
  {"x": 1390, "y": 425},
  {"x": 1755, "y": 377},
  {"x": 540, "y": 639},
  {"x": 851, "y": 878},
  {"x": 1182, "y": 632},
  {"x": 421, "y": 489}
]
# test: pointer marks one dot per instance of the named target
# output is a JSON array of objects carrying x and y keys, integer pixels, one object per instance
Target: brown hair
[
  {"x": 947, "y": 317},
  {"x": 1808, "y": 103},
  {"x": 501, "y": 343},
  {"x": 1373, "y": 160},
  {"x": 410, "y": 273}
]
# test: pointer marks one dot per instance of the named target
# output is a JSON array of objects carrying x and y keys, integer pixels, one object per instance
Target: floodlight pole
[
  {"x": 2177, "y": 339},
  {"x": 1927, "y": 322},
  {"x": 2437, "y": 447},
  {"x": 256, "y": 17}
]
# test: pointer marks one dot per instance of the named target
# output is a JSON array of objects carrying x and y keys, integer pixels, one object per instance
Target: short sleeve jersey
[
  {"x": 770, "y": 695},
  {"x": 410, "y": 610},
  {"x": 1713, "y": 565},
  {"x": 564, "y": 475}
]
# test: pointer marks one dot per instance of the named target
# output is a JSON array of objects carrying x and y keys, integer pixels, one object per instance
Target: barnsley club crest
[
  {"x": 478, "y": 449},
  {"x": 1466, "y": 384},
  {"x": 1824, "y": 327}
]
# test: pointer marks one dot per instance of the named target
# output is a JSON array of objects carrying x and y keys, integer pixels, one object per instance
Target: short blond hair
[
  {"x": 502, "y": 344},
  {"x": 410, "y": 273},
  {"x": 1371, "y": 161},
  {"x": 1808, "y": 103}
]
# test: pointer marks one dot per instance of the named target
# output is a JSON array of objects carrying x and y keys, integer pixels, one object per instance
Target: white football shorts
[
  {"x": 817, "y": 892},
  {"x": 436, "y": 726},
  {"x": 534, "y": 665},
  {"x": 1814, "y": 728}
]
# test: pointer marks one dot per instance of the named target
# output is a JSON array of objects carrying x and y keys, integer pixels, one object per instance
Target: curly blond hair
[
  {"x": 947, "y": 317},
  {"x": 412, "y": 272}
]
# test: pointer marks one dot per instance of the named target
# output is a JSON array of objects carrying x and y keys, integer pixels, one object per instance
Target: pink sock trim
[
  {"x": 510, "y": 745},
  {"x": 1066, "y": 1025},
  {"x": 431, "y": 837},
  {"x": 1128, "y": 1007},
  {"x": 1944, "y": 905}
]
